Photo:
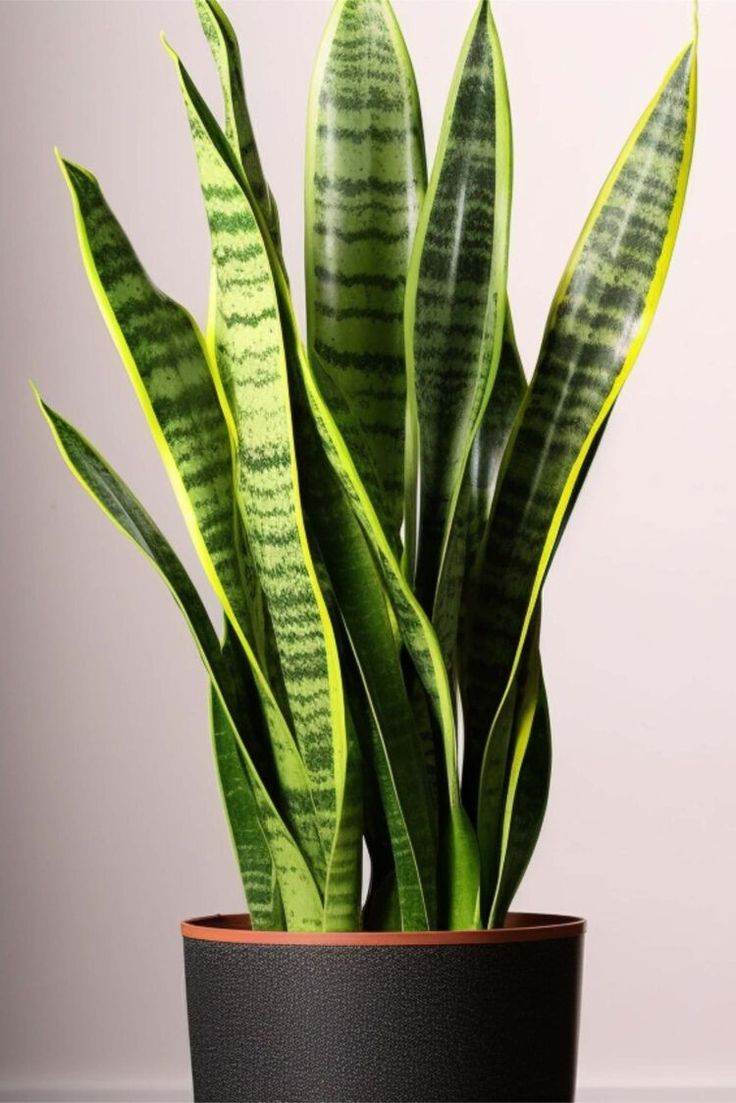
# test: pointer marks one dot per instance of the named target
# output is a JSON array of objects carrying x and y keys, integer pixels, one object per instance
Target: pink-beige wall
[{"x": 110, "y": 826}]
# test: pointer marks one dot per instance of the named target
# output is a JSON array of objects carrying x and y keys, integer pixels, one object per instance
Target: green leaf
[
  {"x": 345, "y": 868},
  {"x": 489, "y": 443},
  {"x": 300, "y": 896},
  {"x": 457, "y": 593},
  {"x": 460, "y": 861},
  {"x": 257, "y": 871},
  {"x": 365, "y": 181},
  {"x": 251, "y": 357},
  {"x": 383, "y": 713},
  {"x": 456, "y": 298},
  {"x": 526, "y": 800},
  {"x": 502, "y": 760},
  {"x": 223, "y": 43},
  {"x": 598, "y": 321},
  {"x": 164, "y": 354},
  {"x": 459, "y": 852}
]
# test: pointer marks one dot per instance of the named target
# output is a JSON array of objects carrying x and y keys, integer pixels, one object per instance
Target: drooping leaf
[
  {"x": 300, "y": 896},
  {"x": 164, "y": 355},
  {"x": 598, "y": 321},
  {"x": 456, "y": 298},
  {"x": 162, "y": 350},
  {"x": 365, "y": 181},
  {"x": 251, "y": 358},
  {"x": 223, "y": 43}
]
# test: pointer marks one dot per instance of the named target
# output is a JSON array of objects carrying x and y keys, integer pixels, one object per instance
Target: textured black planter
[{"x": 481, "y": 1015}]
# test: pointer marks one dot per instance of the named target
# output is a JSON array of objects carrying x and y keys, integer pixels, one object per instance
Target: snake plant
[{"x": 376, "y": 505}]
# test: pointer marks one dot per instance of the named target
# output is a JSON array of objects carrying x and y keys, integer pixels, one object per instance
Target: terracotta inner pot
[{"x": 519, "y": 927}]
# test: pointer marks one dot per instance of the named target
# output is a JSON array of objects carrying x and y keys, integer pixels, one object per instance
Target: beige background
[{"x": 109, "y": 817}]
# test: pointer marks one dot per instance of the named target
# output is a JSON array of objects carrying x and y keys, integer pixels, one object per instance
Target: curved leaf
[
  {"x": 459, "y": 847},
  {"x": 163, "y": 352},
  {"x": 300, "y": 896},
  {"x": 257, "y": 871},
  {"x": 390, "y": 737},
  {"x": 365, "y": 180},
  {"x": 456, "y": 297},
  {"x": 460, "y": 860},
  {"x": 598, "y": 321},
  {"x": 502, "y": 761},
  {"x": 526, "y": 802},
  {"x": 251, "y": 356},
  {"x": 456, "y": 595},
  {"x": 460, "y": 855}
]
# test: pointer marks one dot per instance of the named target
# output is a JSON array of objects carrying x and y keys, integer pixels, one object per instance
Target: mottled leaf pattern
[
  {"x": 460, "y": 872},
  {"x": 386, "y": 721},
  {"x": 238, "y": 128},
  {"x": 365, "y": 180},
  {"x": 250, "y": 354},
  {"x": 164, "y": 355},
  {"x": 598, "y": 321},
  {"x": 163, "y": 352},
  {"x": 456, "y": 295},
  {"x": 456, "y": 594},
  {"x": 258, "y": 873},
  {"x": 377, "y": 510},
  {"x": 301, "y": 899}
]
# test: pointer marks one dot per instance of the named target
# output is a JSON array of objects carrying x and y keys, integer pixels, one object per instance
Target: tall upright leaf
[
  {"x": 301, "y": 899},
  {"x": 456, "y": 297},
  {"x": 251, "y": 355},
  {"x": 383, "y": 713},
  {"x": 365, "y": 181},
  {"x": 457, "y": 595},
  {"x": 526, "y": 798},
  {"x": 460, "y": 862},
  {"x": 223, "y": 43},
  {"x": 598, "y": 321},
  {"x": 489, "y": 443},
  {"x": 459, "y": 853}
]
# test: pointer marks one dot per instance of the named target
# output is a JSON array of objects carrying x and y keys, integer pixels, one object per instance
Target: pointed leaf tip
[
  {"x": 36, "y": 394},
  {"x": 170, "y": 50}
]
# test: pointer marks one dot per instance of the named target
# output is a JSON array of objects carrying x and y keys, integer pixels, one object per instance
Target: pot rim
[{"x": 519, "y": 927}]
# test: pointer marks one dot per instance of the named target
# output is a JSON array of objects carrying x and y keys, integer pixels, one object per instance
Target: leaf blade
[
  {"x": 365, "y": 180},
  {"x": 599, "y": 319},
  {"x": 251, "y": 356},
  {"x": 223, "y": 44},
  {"x": 164, "y": 355},
  {"x": 257, "y": 871},
  {"x": 300, "y": 895},
  {"x": 456, "y": 297}
]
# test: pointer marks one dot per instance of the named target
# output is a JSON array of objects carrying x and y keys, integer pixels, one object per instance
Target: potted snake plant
[{"x": 376, "y": 506}]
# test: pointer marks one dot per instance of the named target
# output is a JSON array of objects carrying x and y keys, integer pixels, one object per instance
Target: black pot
[{"x": 448, "y": 1015}]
